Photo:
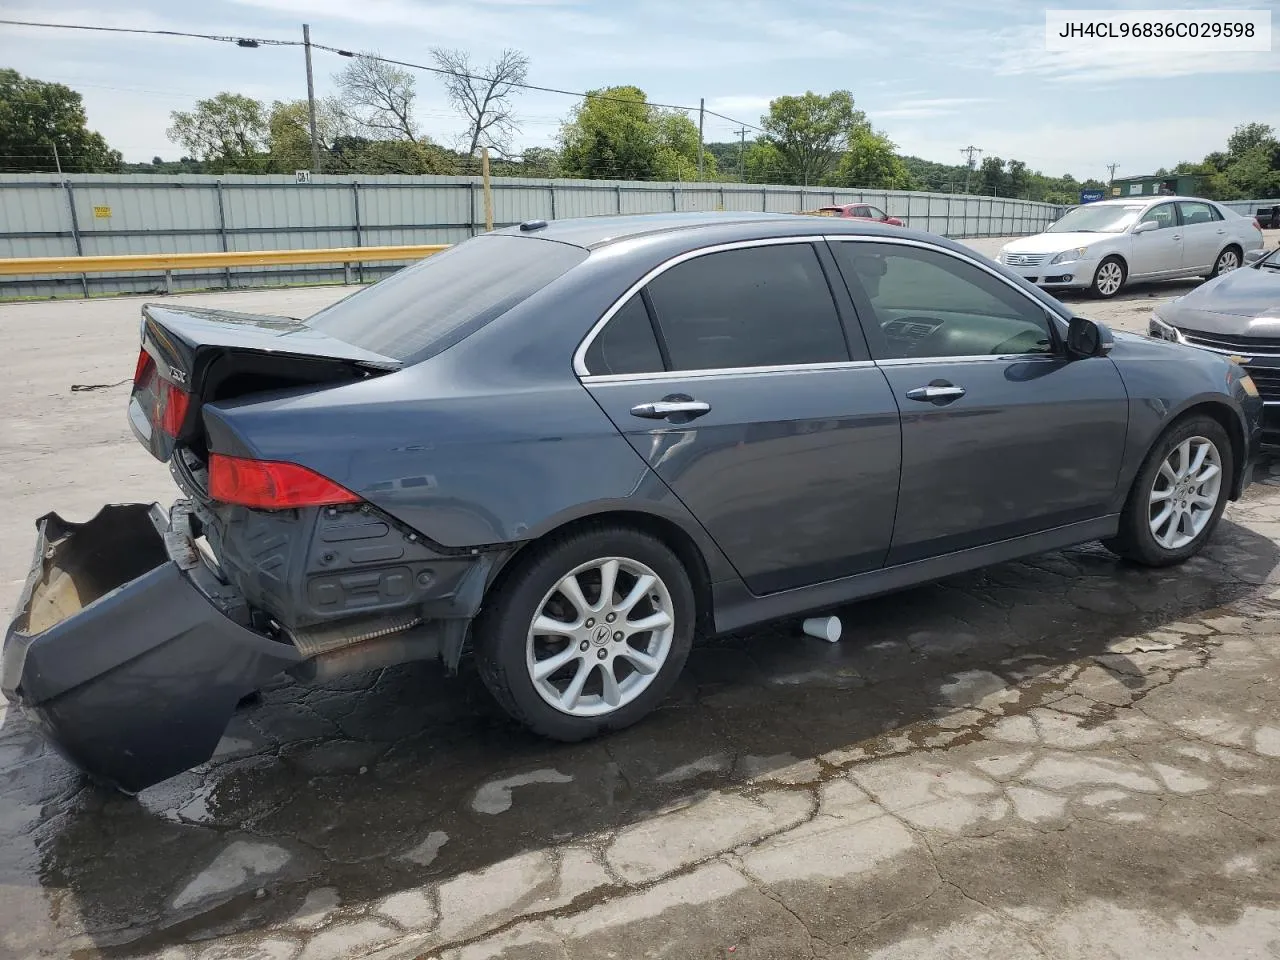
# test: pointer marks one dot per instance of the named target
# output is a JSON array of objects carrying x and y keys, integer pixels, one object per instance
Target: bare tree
[
  {"x": 377, "y": 97},
  {"x": 484, "y": 95}
]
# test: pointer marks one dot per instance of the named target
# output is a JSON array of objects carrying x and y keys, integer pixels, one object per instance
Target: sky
[{"x": 935, "y": 75}]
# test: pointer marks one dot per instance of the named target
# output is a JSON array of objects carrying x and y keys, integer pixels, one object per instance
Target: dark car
[
  {"x": 1237, "y": 315},
  {"x": 859, "y": 211},
  {"x": 569, "y": 447}
]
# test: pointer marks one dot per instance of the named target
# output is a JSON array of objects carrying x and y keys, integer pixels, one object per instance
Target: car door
[
  {"x": 1157, "y": 252},
  {"x": 729, "y": 371},
  {"x": 1203, "y": 236},
  {"x": 1002, "y": 435},
  {"x": 875, "y": 213}
]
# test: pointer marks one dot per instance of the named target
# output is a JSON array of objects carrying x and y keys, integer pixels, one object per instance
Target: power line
[
  {"x": 238, "y": 41},
  {"x": 261, "y": 41}
]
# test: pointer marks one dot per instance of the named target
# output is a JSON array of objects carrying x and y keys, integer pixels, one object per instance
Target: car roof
[
  {"x": 1133, "y": 201},
  {"x": 594, "y": 232}
]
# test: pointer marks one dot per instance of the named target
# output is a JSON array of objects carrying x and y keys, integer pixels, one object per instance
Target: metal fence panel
[{"x": 119, "y": 214}]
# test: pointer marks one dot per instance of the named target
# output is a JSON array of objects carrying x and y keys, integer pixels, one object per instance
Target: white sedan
[{"x": 1101, "y": 246}]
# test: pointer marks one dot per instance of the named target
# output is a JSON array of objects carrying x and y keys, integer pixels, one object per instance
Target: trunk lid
[{"x": 191, "y": 356}]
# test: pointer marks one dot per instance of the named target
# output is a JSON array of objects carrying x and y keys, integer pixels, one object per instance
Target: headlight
[
  {"x": 1166, "y": 331},
  {"x": 1249, "y": 386},
  {"x": 1067, "y": 256}
]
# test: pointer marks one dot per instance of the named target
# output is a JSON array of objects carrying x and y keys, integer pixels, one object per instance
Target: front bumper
[
  {"x": 1059, "y": 276},
  {"x": 126, "y": 651}
]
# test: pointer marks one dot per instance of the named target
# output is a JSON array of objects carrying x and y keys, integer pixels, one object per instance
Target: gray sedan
[
  {"x": 569, "y": 447},
  {"x": 1237, "y": 315}
]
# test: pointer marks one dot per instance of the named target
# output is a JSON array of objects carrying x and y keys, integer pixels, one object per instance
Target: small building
[{"x": 1181, "y": 184}]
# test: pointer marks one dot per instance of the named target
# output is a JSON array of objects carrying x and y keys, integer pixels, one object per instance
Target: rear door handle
[
  {"x": 662, "y": 409},
  {"x": 936, "y": 393}
]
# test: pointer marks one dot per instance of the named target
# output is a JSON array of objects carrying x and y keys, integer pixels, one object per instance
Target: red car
[{"x": 861, "y": 211}]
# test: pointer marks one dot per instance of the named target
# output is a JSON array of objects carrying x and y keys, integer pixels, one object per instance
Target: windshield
[
  {"x": 424, "y": 308},
  {"x": 1272, "y": 260},
  {"x": 1099, "y": 219}
]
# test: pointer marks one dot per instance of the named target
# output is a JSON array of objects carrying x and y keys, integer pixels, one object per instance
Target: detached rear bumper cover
[{"x": 130, "y": 665}]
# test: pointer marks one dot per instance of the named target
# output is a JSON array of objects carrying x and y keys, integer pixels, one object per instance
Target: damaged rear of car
[{"x": 139, "y": 631}]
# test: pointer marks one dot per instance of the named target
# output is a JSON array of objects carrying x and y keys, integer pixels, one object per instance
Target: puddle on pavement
[{"x": 370, "y": 785}]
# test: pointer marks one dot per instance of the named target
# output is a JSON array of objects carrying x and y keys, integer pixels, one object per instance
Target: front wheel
[
  {"x": 588, "y": 634},
  {"x": 1109, "y": 278},
  {"x": 1178, "y": 496}
]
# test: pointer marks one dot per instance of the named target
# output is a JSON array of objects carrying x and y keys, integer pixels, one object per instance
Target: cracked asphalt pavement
[{"x": 1064, "y": 757}]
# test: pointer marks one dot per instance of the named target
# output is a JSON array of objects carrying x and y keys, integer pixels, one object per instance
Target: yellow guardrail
[{"x": 43, "y": 266}]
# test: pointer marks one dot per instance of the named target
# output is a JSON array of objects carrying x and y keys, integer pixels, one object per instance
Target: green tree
[
  {"x": 991, "y": 179},
  {"x": 764, "y": 164},
  {"x": 229, "y": 131},
  {"x": 1248, "y": 136},
  {"x": 616, "y": 134},
  {"x": 36, "y": 117},
  {"x": 811, "y": 132},
  {"x": 870, "y": 161},
  {"x": 289, "y": 134}
]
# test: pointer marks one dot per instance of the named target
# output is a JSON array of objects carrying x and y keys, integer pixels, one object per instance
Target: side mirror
[
  {"x": 1253, "y": 256},
  {"x": 1086, "y": 338},
  {"x": 1146, "y": 226}
]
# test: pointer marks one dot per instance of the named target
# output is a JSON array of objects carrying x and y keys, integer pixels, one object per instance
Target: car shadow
[
  {"x": 1155, "y": 289},
  {"x": 373, "y": 784}
]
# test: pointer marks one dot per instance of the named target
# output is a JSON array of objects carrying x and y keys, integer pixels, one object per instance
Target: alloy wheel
[
  {"x": 600, "y": 636},
  {"x": 1109, "y": 278},
  {"x": 1185, "y": 493},
  {"x": 1228, "y": 261}
]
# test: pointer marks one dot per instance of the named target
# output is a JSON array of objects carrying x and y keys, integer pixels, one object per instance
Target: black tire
[
  {"x": 1220, "y": 266},
  {"x": 1099, "y": 288},
  {"x": 502, "y": 630},
  {"x": 1135, "y": 540}
]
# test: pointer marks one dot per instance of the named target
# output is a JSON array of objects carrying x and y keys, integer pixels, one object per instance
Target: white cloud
[{"x": 926, "y": 108}]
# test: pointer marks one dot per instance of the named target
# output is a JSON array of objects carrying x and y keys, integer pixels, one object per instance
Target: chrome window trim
[
  {"x": 985, "y": 357},
  {"x": 580, "y": 354},
  {"x": 605, "y": 379}
]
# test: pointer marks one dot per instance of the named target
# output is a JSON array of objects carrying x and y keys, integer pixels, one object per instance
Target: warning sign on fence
[{"x": 102, "y": 213}]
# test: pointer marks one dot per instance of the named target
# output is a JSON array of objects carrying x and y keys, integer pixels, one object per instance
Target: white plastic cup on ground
[{"x": 823, "y": 628}]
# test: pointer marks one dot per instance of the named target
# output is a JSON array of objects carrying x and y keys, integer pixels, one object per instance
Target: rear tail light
[
  {"x": 143, "y": 367},
  {"x": 271, "y": 484},
  {"x": 169, "y": 403}
]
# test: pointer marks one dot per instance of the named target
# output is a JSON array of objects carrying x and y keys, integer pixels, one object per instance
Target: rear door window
[
  {"x": 429, "y": 306},
  {"x": 627, "y": 344},
  {"x": 1193, "y": 213},
  {"x": 752, "y": 307}
]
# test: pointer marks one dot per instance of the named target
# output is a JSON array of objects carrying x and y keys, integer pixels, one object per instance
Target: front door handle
[
  {"x": 663, "y": 409},
  {"x": 938, "y": 393}
]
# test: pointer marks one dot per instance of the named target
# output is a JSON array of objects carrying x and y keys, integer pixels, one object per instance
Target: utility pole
[
  {"x": 969, "y": 151},
  {"x": 702, "y": 111},
  {"x": 742, "y": 153},
  {"x": 1111, "y": 170},
  {"x": 56, "y": 162},
  {"x": 311, "y": 100}
]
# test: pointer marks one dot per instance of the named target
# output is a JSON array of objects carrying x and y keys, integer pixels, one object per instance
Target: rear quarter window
[{"x": 427, "y": 307}]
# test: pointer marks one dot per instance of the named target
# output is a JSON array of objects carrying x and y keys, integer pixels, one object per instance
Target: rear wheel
[
  {"x": 587, "y": 634},
  {"x": 1108, "y": 278},
  {"x": 1228, "y": 260},
  {"x": 1178, "y": 496}
]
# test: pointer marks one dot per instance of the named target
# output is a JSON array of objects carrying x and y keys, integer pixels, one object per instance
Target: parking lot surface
[{"x": 1063, "y": 757}]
